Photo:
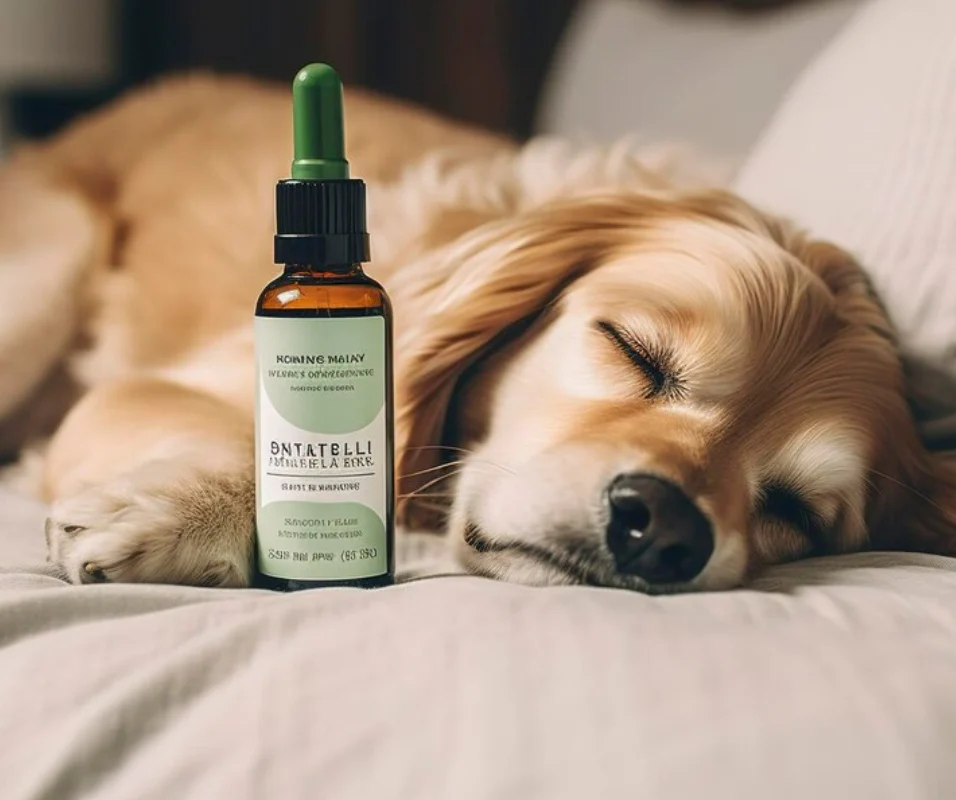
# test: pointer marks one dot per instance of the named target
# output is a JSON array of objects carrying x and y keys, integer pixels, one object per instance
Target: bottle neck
[{"x": 319, "y": 271}]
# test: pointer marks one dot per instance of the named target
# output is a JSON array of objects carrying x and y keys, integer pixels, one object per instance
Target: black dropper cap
[{"x": 320, "y": 210}]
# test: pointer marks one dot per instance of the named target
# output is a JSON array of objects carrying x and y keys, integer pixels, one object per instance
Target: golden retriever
[{"x": 604, "y": 374}]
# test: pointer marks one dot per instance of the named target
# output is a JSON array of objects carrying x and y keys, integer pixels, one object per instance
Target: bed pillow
[{"x": 863, "y": 151}]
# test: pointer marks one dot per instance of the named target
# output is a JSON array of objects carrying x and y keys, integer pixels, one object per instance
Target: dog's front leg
[{"x": 152, "y": 482}]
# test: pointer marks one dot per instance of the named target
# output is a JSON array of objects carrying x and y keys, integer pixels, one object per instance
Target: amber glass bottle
[{"x": 324, "y": 394}]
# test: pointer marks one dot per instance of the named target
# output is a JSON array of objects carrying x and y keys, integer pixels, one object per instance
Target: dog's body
[{"x": 639, "y": 386}]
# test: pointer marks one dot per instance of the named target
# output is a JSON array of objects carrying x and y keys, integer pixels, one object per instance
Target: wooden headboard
[{"x": 483, "y": 61}]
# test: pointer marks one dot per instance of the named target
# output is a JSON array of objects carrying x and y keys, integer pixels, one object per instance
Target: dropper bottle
[{"x": 324, "y": 396}]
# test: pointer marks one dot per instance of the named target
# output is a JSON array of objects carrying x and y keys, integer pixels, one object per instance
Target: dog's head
[{"x": 659, "y": 393}]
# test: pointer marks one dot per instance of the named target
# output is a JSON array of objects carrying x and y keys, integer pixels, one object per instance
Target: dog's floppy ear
[
  {"x": 933, "y": 528},
  {"x": 913, "y": 490},
  {"x": 473, "y": 295},
  {"x": 915, "y": 511},
  {"x": 838, "y": 269},
  {"x": 849, "y": 283}
]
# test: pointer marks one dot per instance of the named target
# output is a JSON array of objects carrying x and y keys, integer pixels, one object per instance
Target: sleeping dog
[{"x": 605, "y": 374}]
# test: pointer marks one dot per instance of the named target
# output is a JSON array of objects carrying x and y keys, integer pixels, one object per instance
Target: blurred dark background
[
  {"x": 478, "y": 60},
  {"x": 482, "y": 61},
  {"x": 706, "y": 72}
]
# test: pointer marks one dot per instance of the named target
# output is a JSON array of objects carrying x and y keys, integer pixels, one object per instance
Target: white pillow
[{"x": 863, "y": 152}]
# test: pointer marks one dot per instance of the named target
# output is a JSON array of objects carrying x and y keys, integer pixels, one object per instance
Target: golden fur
[{"x": 137, "y": 242}]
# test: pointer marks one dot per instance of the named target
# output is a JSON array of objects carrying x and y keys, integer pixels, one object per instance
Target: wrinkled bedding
[
  {"x": 828, "y": 679},
  {"x": 832, "y": 678}
]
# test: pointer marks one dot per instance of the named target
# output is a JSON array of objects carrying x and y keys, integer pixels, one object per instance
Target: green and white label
[{"x": 322, "y": 457}]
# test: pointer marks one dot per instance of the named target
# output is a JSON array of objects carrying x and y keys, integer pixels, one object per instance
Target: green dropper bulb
[{"x": 318, "y": 127}]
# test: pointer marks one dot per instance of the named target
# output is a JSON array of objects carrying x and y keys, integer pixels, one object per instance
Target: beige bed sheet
[{"x": 831, "y": 679}]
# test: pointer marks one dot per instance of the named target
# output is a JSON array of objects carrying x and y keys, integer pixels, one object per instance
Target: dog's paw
[{"x": 162, "y": 523}]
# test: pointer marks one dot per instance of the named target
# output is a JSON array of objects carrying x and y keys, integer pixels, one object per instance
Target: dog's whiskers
[
  {"x": 460, "y": 463},
  {"x": 909, "y": 488},
  {"x": 446, "y": 465},
  {"x": 429, "y": 484},
  {"x": 435, "y": 507},
  {"x": 463, "y": 450}
]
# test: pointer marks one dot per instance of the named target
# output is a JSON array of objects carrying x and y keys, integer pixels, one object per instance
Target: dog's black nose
[{"x": 655, "y": 530}]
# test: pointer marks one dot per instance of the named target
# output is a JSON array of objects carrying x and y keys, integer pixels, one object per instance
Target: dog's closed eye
[
  {"x": 652, "y": 365},
  {"x": 784, "y": 504}
]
